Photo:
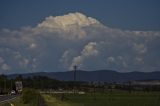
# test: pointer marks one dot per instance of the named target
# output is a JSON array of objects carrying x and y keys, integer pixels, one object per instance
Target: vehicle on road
[{"x": 13, "y": 92}]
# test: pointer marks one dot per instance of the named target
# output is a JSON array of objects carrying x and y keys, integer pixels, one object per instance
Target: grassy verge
[
  {"x": 53, "y": 101},
  {"x": 18, "y": 102}
]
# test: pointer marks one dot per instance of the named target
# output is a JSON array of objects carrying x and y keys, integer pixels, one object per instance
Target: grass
[
  {"x": 31, "y": 96},
  {"x": 5, "y": 104},
  {"x": 18, "y": 102},
  {"x": 114, "y": 99},
  {"x": 53, "y": 101},
  {"x": 98, "y": 99}
]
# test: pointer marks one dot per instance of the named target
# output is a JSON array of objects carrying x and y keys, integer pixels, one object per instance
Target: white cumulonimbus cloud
[{"x": 58, "y": 43}]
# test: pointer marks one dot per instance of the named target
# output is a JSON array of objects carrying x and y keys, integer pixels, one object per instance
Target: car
[{"x": 13, "y": 92}]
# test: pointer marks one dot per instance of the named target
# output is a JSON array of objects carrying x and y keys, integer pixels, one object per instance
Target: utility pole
[
  {"x": 5, "y": 86},
  {"x": 11, "y": 85},
  {"x": 75, "y": 69}
]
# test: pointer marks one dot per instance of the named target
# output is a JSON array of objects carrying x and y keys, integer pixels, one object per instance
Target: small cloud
[
  {"x": 5, "y": 67},
  {"x": 24, "y": 62},
  {"x": 17, "y": 55},
  {"x": 33, "y": 46},
  {"x": 67, "y": 57},
  {"x": 110, "y": 59},
  {"x": 1, "y": 60},
  {"x": 140, "y": 48},
  {"x": 124, "y": 64},
  {"x": 89, "y": 50}
]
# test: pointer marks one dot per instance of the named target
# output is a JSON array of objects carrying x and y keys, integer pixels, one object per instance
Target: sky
[
  {"x": 55, "y": 35},
  {"x": 123, "y": 14}
]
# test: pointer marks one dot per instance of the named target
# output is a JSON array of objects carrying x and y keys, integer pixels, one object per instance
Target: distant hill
[{"x": 100, "y": 75}]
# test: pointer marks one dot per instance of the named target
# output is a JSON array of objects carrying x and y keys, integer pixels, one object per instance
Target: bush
[{"x": 30, "y": 96}]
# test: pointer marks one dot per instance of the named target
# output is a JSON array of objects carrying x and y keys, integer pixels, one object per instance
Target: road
[{"x": 7, "y": 98}]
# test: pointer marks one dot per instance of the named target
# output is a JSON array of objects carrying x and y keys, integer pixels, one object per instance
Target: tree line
[
  {"x": 45, "y": 83},
  {"x": 36, "y": 82}
]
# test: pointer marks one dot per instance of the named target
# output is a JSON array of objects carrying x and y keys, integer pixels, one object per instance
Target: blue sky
[
  {"x": 123, "y": 14},
  {"x": 55, "y": 35}
]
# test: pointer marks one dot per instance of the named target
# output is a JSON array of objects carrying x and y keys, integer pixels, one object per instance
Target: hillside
[{"x": 101, "y": 75}]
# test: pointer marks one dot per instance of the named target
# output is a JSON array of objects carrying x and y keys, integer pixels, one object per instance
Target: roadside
[
  {"x": 29, "y": 97},
  {"x": 5, "y": 99},
  {"x": 52, "y": 101}
]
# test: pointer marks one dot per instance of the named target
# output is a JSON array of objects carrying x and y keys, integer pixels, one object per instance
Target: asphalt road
[{"x": 7, "y": 98}]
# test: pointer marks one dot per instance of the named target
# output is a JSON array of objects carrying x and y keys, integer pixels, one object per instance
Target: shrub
[{"x": 30, "y": 96}]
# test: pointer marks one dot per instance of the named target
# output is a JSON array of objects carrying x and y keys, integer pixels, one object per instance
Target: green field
[
  {"x": 114, "y": 99},
  {"x": 97, "y": 99}
]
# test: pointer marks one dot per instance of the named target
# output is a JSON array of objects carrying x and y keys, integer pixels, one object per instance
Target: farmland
[
  {"x": 110, "y": 99},
  {"x": 115, "y": 98}
]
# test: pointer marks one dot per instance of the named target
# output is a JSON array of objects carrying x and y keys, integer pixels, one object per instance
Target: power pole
[
  {"x": 11, "y": 85},
  {"x": 75, "y": 69},
  {"x": 5, "y": 86}
]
